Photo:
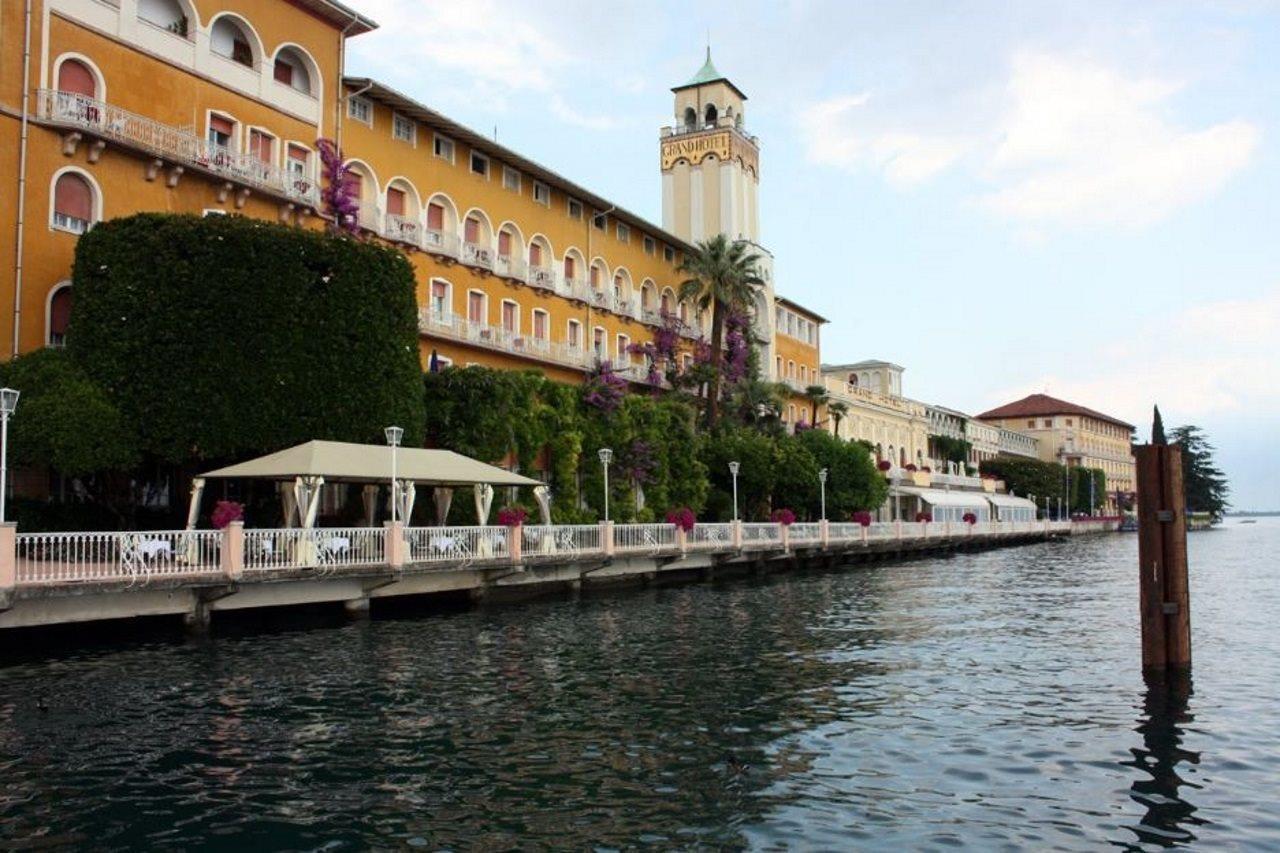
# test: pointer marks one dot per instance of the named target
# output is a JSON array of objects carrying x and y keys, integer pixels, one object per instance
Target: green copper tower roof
[{"x": 708, "y": 74}]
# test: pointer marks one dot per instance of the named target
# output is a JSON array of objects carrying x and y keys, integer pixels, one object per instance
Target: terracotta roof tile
[{"x": 1036, "y": 405}]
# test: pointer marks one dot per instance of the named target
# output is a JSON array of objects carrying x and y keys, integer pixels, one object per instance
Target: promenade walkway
[{"x": 53, "y": 578}]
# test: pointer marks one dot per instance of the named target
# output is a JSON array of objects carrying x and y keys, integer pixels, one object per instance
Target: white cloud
[
  {"x": 566, "y": 113},
  {"x": 1212, "y": 359},
  {"x": 1066, "y": 141}
]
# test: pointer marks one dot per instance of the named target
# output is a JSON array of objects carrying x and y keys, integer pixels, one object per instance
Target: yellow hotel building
[{"x": 111, "y": 107}]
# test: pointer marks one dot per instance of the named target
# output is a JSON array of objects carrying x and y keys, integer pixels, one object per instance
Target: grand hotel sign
[{"x": 724, "y": 144}]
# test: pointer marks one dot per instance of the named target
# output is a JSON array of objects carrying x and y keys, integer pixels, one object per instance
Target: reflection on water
[
  {"x": 1169, "y": 816},
  {"x": 990, "y": 701}
]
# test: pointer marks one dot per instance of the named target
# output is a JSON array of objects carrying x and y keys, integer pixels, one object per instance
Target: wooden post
[{"x": 1163, "y": 593}]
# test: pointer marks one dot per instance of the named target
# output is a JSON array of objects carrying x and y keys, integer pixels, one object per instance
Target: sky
[{"x": 1003, "y": 197}]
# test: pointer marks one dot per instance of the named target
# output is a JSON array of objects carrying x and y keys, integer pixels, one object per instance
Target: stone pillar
[
  {"x": 737, "y": 534},
  {"x": 824, "y": 531},
  {"x": 864, "y": 534},
  {"x": 8, "y": 562},
  {"x": 784, "y": 535},
  {"x": 898, "y": 528},
  {"x": 682, "y": 541},
  {"x": 515, "y": 543},
  {"x": 233, "y": 550},
  {"x": 393, "y": 549},
  {"x": 606, "y": 538}
]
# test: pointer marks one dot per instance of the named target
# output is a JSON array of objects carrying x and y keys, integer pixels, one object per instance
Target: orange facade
[{"x": 215, "y": 106}]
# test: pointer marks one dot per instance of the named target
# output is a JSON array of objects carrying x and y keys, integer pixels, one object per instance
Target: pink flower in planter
[
  {"x": 682, "y": 518},
  {"x": 911, "y": 466},
  {"x": 862, "y": 517},
  {"x": 225, "y": 512},
  {"x": 512, "y": 516},
  {"x": 783, "y": 516},
  {"x": 970, "y": 518},
  {"x": 926, "y": 517},
  {"x": 926, "y": 469},
  {"x": 884, "y": 464}
]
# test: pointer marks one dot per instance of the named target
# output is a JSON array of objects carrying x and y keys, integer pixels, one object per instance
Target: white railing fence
[
  {"x": 761, "y": 533},
  {"x": 644, "y": 538},
  {"x": 116, "y": 556},
  {"x": 804, "y": 533},
  {"x": 560, "y": 540},
  {"x": 461, "y": 545},
  {"x": 318, "y": 548},
  {"x": 710, "y": 537}
]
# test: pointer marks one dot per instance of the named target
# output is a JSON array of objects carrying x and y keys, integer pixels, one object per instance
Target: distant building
[
  {"x": 1073, "y": 435},
  {"x": 894, "y": 426}
]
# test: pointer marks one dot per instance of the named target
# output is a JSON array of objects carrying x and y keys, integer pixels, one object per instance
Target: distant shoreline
[{"x": 1262, "y": 513}]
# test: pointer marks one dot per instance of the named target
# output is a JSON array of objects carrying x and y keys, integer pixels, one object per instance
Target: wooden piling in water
[{"x": 1163, "y": 592}]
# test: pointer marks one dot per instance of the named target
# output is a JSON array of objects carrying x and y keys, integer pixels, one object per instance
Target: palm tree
[
  {"x": 755, "y": 401},
  {"x": 722, "y": 276},
  {"x": 816, "y": 395},
  {"x": 837, "y": 411}
]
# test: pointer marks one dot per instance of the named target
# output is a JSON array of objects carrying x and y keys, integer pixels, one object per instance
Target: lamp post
[
  {"x": 394, "y": 434},
  {"x": 733, "y": 469},
  {"x": 822, "y": 484},
  {"x": 606, "y": 456},
  {"x": 8, "y": 402}
]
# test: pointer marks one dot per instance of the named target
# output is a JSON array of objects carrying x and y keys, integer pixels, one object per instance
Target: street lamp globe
[
  {"x": 8, "y": 400},
  {"x": 394, "y": 434},
  {"x": 822, "y": 475},
  {"x": 733, "y": 468},
  {"x": 606, "y": 456}
]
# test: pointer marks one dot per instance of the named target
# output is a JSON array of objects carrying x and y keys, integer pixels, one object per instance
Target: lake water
[{"x": 991, "y": 701}]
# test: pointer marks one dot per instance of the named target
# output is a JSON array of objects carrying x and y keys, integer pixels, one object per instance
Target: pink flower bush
[
  {"x": 884, "y": 464},
  {"x": 924, "y": 516},
  {"x": 512, "y": 516},
  {"x": 862, "y": 517},
  {"x": 225, "y": 512},
  {"x": 783, "y": 516},
  {"x": 911, "y": 466},
  {"x": 337, "y": 197},
  {"x": 604, "y": 389},
  {"x": 970, "y": 518},
  {"x": 682, "y": 518}
]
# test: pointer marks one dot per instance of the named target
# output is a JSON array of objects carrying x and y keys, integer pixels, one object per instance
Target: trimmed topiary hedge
[{"x": 225, "y": 336}]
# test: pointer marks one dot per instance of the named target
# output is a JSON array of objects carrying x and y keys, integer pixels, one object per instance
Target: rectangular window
[
  {"x": 439, "y": 298},
  {"x": 575, "y": 334},
  {"x": 575, "y": 208},
  {"x": 535, "y": 255},
  {"x": 650, "y": 245},
  {"x": 435, "y": 217},
  {"x": 541, "y": 193},
  {"x": 623, "y": 355},
  {"x": 296, "y": 161},
  {"x": 510, "y": 317},
  {"x": 510, "y": 179},
  {"x": 471, "y": 230},
  {"x": 1068, "y": 421},
  {"x": 1047, "y": 423},
  {"x": 568, "y": 267},
  {"x": 598, "y": 220},
  {"x": 479, "y": 164},
  {"x": 540, "y": 325},
  {"x": 403, "y": 128},
  {"x": 360, "y": 109},
  {"x": 261, "y": 145},
  {"x": 669, "y": 254},
  {"x": 475, "y": 307},
  {"x": 443, "y": 147},
  {"x": 283, "y": 72},
  {"x": 1031, "y": 424},
  {"x": 504, "y": 244},
  {"x": 395, "y": 201},
  {"x": 624, "y": 233},
  {"x": 598, "y": 345},
  {"x": 221, "y": 131}
]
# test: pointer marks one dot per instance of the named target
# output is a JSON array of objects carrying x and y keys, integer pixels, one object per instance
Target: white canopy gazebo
[{"x": 309, "y": 466}]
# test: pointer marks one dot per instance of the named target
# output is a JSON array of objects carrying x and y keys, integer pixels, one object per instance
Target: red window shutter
[
  {"x": 568, "y": 267},
  {"x": 435, "y": 217},
  {"x": 74, "y": 76},
  {"x": 472, "y": 232},
  {"x": 475, "y": 308},
  {"x": 72, "y": 197},
  {"x": 395, "y": 202},
  {"x": 260, "y": 145},
  {"x": 508, "y": 316},
  {"x": 504, "y": 244},
  {"x": 222, "y": 124},
  {"x": 438, "y": 289},
  {"x": 595, "y": 276},
  {"x": 59, "y": 313},
  {"x": 535, "y": 255},
  {"x": 540, "y": 326},
  {"x": 284, "y": 72},
  {"x": 297, "y": 152}
]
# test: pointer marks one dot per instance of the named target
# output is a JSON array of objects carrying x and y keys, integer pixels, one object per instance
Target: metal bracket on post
[{"x": 1164, "y": 515}]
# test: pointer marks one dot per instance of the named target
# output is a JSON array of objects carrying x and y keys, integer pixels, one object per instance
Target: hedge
[{"x": 225, "y": 336}]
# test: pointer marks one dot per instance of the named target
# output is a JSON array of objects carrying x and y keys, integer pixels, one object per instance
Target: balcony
[
  {"x": 509, "y": 267},
  {"x": 180, "y": 146},
  {"x": 475, "y": 255},
  {"x": 440, "y": 242},
  {"x": 543, "y": 277},
  {"x": 499, "y": 339},
  {"x": 403, "y": 230}
]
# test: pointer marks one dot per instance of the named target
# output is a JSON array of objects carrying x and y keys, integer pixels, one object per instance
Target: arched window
[
  {"x": 59, "y": 315},
  {"x": 168, "y": 15},
  {"x": 72, "y": 203},
  {"x": 75, "y": 77},
  {"x": 711, "y": 114},
  {"x": 853, "y": 379},
  {"x": 690, "y": 118},
  {"x": 232, "y": 41},
  {"x": 292, "y": 69}
]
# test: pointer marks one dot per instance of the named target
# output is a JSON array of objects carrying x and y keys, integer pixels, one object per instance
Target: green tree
[
  {"x": 723, "y": 276},
  {"x": 817, "y": 396},
  {"x": 853, "y": 482},
  {"x": 224, "y": 336},
  {"x": 1205, "y": 484},
  {"x": 838, "y": 411}
]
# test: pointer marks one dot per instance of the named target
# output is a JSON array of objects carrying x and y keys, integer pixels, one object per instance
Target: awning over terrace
[
  {"x": 1010, "y": 502},
  {"x": 941, "y": 497},
  {"x": 308, "y": 466}
]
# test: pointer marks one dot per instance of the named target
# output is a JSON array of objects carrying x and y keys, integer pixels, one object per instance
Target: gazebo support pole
[{"x": 193, "y": 508}]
